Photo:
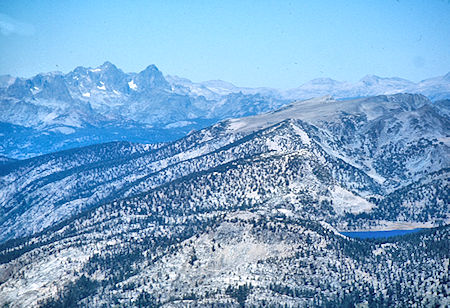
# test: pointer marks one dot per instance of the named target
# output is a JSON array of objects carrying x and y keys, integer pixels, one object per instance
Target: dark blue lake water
[{"x": 378, "y": 234}]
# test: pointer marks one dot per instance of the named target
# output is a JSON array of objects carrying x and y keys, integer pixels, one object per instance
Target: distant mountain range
[
  {"x": 437, "y": 88},
  {"x": 55, "y": 111}
]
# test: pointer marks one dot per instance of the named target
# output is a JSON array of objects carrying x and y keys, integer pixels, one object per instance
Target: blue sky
[{"x": 250, "y": 43}]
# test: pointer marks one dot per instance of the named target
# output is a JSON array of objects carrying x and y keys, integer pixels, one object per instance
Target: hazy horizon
[
  {"x": 276, "y": 44},
  {"x": 227, "y": 81}
]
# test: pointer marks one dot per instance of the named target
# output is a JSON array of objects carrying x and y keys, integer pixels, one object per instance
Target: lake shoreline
[{"x": 379, "y": 234}]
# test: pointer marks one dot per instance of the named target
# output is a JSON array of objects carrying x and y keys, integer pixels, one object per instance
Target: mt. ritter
[
  {"x": 55, "y": 111},
  {"x": 246, "y": 212}
]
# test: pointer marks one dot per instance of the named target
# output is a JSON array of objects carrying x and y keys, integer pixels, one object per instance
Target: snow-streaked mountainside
[
  {"x": 55, "y": 111},
  {"x": 244, "y": 213},
  {"x": 345, "y": 157}
]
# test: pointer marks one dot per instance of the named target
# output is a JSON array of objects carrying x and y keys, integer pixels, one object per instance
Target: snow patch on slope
[
  {"x": 102, "y": 87},
  {"x": 346, "y": 201},
  {"x": 303, "y": 135},
  {"x": 132, "y": 85}
]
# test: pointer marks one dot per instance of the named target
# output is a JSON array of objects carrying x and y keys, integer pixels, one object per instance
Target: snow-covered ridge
[{"x": 372, "y": 147}]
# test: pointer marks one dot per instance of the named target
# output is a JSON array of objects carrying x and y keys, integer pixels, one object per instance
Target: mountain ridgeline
[
  {"x": 242, "y": 213},
  {"x": 55, "y": 111}
]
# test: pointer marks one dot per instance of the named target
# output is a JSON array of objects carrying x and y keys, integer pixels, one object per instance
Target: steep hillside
[
  {"x": 349, "y": 156},
  {"x": 243, "y": 213}
]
